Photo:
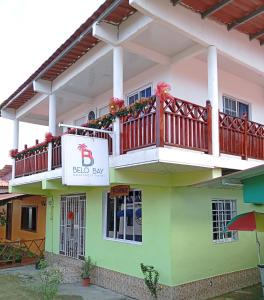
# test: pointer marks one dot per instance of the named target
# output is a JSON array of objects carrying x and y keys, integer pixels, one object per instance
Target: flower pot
[{"x": 86, "y": 282}]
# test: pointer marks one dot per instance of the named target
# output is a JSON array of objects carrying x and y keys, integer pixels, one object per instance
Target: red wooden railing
[
  {"x": 139, "y": 130},
  {"x": 31, "y": 162},
  {"x": 239, "y": 136},
  {"x": 56, "y": 153},
  {"x": 173, "y": 122}
]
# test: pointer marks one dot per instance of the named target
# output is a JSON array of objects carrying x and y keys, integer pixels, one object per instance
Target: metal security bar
[{"x": 72, "y": 226}]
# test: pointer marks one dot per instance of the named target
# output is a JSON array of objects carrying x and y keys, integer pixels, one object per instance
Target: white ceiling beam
[
  {"x": 42, "y": 86},
  {"x": 147, "y": 53},
  {"x": 8, "y": 113},
  {"x": 188, "y": 53},
  {"x": 113, "y": 35},
  {"x": 205, "y": 32}
]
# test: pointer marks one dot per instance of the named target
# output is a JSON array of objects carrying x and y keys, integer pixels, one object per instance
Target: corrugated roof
[{"x": 5, "y": 170}]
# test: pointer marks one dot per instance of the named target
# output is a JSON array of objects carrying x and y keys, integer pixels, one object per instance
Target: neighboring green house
[{"x": 163, "y": 200}]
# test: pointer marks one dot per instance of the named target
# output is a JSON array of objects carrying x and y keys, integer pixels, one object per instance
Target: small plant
[
  {"x": 50, "y": 280},
  {"x": 151, "y": 279},
  {"x": 41, "y": 263},
  {"x": 3, "y": 217},
  {"x": 87, "y": 268}
]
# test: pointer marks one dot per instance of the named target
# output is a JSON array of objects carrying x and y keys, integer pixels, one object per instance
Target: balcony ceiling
[{"x": 163, "y": 39}]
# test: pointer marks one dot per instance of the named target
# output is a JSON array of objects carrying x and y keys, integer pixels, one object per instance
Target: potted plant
[{"x": 87, "y": 268}]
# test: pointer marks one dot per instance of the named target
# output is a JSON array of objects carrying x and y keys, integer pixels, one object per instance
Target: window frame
[
  {"x": 104, "y": 228},
  {"x": 21, "y": 223},
  {"x": 137, "y": 91},
  {"x": 235, "y": 236},
  {"x": 237, "y": 100}
]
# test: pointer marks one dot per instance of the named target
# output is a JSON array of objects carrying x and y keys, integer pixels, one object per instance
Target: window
[
  {"x": 81, "y": 121},
  {"x": 235, "y": 108},
  {"x": 29, "y": 218},
  {"x": 141, "y": 93},
  {"x": 223, "y": 211},
  {"x": 124, "y": 217}
]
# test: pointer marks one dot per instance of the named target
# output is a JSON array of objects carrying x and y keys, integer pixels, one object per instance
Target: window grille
[
  {"x": 222, "y": 212},
  {"x": 72, "y": 226}
]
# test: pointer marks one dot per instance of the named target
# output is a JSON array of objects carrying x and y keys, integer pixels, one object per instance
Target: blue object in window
[
  {"x": 129, "y": 213},
  {"x": 138, "y": 213}
]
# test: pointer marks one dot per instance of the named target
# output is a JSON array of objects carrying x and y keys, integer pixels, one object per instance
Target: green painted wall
[
  {"x": 254, "y": 189},
  {"x": 194, "y": 254},
  {"x": 177, "y": 228}
]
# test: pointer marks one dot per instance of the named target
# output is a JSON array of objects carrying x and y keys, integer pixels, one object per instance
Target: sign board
[
  {"x": 84, "y": 161},
  {"x": 119, "y": 190}
]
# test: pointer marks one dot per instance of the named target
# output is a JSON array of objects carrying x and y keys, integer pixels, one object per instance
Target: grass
[{"x": 13, "y": 288}]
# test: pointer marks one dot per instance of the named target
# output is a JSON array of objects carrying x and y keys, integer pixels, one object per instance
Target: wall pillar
[
  {"x": 118, "y": 92},
  {"x": 52, "y": 125},
  {"x": 15, "y": 142},
  {"x": 213, "y": 96}
]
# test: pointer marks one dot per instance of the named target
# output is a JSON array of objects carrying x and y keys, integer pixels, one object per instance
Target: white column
[
  {"x": 52, "y": 126},
  {"x": 213, "y": 96},
  {"x": 15, "y": 142},
  {"x": 118, "y": 92},
  {"x": 52, "y": 114}
]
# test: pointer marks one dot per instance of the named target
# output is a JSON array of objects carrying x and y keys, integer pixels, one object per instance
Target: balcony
[{"x": 156, "y": 123}]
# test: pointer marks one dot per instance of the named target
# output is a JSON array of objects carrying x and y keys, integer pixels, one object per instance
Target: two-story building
[{"x": 160, "y": 145}]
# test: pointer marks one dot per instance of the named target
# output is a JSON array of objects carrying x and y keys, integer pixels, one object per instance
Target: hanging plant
[
  {"x": 13, "y": 153},
  {"x": 162, "y": 91},
  {"x": 115, "y": 105},
  {"x": 48, "y": 137}
]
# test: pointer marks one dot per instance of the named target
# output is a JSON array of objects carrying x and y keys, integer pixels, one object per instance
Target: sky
[{"x": 30, "y": 31}]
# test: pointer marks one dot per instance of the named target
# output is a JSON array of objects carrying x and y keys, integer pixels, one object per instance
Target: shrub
[
  {"x": 151, "y": 279},
  {"x": 50, "y": 280},
  {"x": 87, "y": 267}
]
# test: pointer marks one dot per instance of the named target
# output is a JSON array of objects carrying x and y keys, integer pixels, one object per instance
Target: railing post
[
  {"x": 50, "y": 156},
  {"x": 116, "y": 137},
  {"x": 159, "y": 122},
  {"x": 245, "y": 144},
  {"x": 209, "y": 126}
]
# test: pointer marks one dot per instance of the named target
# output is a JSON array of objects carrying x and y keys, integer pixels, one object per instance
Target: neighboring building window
[
  {"x": 81, "y": 121},
  {"x": 141, "y": 93},
  {"x": 103, "y": 111},
  {"x": 29, "y": 218},
  {"x": 234, "y": 107},
  {"x": 124, "y": 217},
  {"x": 223, "y": 211}
]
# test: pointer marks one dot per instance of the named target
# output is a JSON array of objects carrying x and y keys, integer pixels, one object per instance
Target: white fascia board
[
  {"x": 42, "y": 86},
  {"x": 54, "y": 174},
  {"x": 25, "y": 109},
  {"x": 88, "y": 59},
  {"x": 129, "y": 29},
  {"x": 206, "y": 32},
  {"x": 147, "y": 53},
  {"x": 8, "y": 113}
]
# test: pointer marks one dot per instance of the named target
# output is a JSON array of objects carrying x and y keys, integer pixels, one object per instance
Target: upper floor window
[
  {"x": 124, "y": 217},
  {"x": 222, "y": 212},
  {"x": 144, "y": 92},
  {"x": 234, "y": 107},
  {"x": 29, "y": 218}
]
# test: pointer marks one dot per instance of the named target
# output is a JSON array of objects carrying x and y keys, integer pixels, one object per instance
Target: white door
[{"x": 72, "y": 226}]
